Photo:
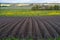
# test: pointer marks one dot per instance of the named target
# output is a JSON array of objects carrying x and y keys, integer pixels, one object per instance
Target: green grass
[
  {"x": 17, "y": 12},
  {"x": 29, "y": 39}
]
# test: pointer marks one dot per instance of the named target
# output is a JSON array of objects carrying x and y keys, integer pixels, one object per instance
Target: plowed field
[{"x": 35, "y": 27}]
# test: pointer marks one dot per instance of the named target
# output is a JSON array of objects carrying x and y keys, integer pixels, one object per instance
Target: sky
[{"x": 29, "y": 1}]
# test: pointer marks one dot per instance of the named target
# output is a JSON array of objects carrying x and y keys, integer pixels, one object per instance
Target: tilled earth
[{"x": 25, "y": 27}]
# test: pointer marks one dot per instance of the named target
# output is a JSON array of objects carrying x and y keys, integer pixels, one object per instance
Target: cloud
[
  {"x": 52, "y": 1},
  {"x": 15, "y": 1},
  {"x": 24, "y": 1},
  {"x": 29, "y": 1}
]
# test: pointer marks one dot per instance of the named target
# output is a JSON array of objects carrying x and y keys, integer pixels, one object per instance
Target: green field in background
[{"x": 18, "y": 12}]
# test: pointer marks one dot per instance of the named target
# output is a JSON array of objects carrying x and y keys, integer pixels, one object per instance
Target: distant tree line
[{"x": 46, "y": 7}]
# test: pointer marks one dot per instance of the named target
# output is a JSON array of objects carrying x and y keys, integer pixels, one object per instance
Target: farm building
[{"x": 13, "y": 4}]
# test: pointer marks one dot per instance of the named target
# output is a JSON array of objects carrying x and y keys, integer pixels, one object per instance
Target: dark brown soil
[{"x": 25, "y": 27}]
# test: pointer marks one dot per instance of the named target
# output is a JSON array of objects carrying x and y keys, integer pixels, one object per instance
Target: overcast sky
[{"x": 29, "y": 1}]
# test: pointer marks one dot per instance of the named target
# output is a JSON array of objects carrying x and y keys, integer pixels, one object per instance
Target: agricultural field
[
  {"x": 29, "y": 24},
  {"x": 27, "y": 13}
]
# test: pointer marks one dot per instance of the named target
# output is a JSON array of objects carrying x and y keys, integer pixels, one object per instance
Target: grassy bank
[
  {"x": 18, "y": 12},
  {"x": 29, "y": 39}
]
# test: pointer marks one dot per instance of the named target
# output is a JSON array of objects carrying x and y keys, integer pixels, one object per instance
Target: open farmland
[
  {"x": 25, "y": 27},
  {"x": 28, "y": 13},
  {"x": 40, "y": 24}
]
